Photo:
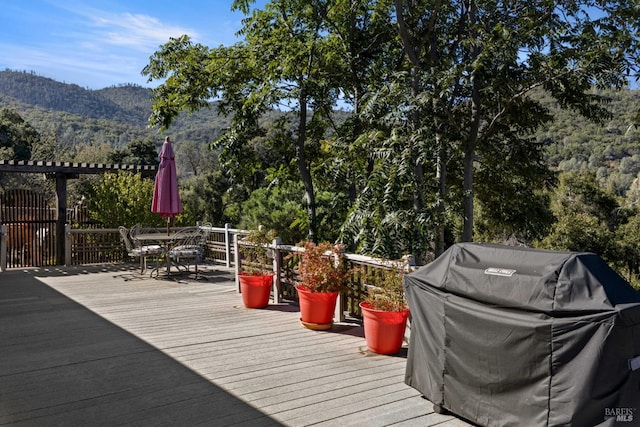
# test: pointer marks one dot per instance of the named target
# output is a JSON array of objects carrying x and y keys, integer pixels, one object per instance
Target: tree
[
  {"x": 194, "y": 159},
  {"x": 137, "y": 152},
  {"x": 470, "y": 72},
  {"x": 446, "y": 96},
  {"x": 628, "y": 237},
  {"x": 579, "y": 192},
  {"x": 283, "y": 62},
  {"x": 587, "y": 217},
  {"x": 19, "y": 141},
  {"x": 17, "y": 137},
  {"x": 276, "y": 208},
  {"x": 513, "y": 201},
  {"x": 298, "y": 56},
  {"x": 204, "y": 198},
  {"x": 582, "y": 232},
  {"x": 122, "y": 199}
]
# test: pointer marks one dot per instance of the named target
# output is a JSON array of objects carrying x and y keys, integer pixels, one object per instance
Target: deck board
[{"x": 103, "y": 346}]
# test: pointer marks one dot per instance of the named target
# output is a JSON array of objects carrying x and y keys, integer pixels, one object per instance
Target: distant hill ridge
[
  {"x": 115, "y": 115},
  {"x": 125, "y": 104}
]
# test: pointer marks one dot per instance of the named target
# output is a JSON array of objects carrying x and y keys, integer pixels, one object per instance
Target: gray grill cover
[{"x": 513, "y": 336}]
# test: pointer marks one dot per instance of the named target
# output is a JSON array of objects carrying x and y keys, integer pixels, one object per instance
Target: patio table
[{"x": 162, "y": 239}]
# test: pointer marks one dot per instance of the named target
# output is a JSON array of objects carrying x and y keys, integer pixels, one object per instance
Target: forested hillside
[
  {"x": 117, "y": 114},
  {"x": 73, "y": 116},
  {"x": 82, "y": 125},
  {"x": 611, "y": 149},
  {"x": 48, "y": 94}
]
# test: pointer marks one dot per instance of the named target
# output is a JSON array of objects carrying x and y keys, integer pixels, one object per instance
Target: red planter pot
[
  {"x": 316, "y": 308},
  {"x": 383, "y": 330},
  {"x": 255, "y": 290}
]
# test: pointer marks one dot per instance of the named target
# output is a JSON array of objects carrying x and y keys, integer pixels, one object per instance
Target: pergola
[{"x": 61, "y": 172}]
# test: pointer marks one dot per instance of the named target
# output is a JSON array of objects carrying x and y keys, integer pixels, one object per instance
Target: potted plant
[
  {"x": 256, "y": 274},
  {"x": 323, "y": 274},
  {"x": 385, "y": 311}
]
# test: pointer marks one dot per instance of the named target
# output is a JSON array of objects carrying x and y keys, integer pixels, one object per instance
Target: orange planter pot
[
  {"x": 316, "y": 308},
  {"x": 255, "y": 290},
  {"x": 383, "y": 330}
]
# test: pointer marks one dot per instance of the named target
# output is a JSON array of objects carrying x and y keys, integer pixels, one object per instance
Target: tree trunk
[
  {"x": 303, "y": 168},
  {"x": 472, "y": 139},
  {"x": 418, "y": 170},
  {"x": 411, "y": 50},
  {"x": 467, "y": 197},
  {"x": 469, "y": 155}
]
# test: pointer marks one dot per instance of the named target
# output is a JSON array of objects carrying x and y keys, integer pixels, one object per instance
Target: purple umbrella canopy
[{"x": 166, "y": 199}]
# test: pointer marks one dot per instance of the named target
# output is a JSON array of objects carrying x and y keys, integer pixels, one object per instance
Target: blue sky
[{"x": 101, "y": 43}]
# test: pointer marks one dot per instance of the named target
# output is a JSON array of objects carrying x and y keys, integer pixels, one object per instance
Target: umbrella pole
[{"x": 168, "y": 222}]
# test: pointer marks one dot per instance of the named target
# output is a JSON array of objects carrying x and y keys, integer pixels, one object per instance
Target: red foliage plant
[{"x": 323, "y": 268}]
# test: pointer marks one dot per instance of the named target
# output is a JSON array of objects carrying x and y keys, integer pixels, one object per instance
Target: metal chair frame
[
  {"x": 189, "y": 244},
  {"x": 139, "y": 251}
]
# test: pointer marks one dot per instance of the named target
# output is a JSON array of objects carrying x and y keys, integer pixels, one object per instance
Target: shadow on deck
[
  {"x": 103, "y": 346},
  {"x": 62, "y": 364}
]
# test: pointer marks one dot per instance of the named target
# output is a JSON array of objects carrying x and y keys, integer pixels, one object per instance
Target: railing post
[
  {"x": 67, "y": 245},
  {"x": 3, "y": 247},
  {"x": 61, "y": 197},
  {"x": 277, "y": 269},
  {"x": 236, "y": 252},
  {"x": 409, "y": 262},
  {"x": 338, "y": 314},
  {"x": 227, "y": 243}
]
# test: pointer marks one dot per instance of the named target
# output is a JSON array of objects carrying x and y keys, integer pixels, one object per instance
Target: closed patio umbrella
[{"x": 166, "y": 198}]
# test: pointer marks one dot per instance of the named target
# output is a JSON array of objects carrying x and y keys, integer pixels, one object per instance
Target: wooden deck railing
[
  {"x": 285, "y": 262},
  {"x": 104, "y": 245},
  {"x": 3, "y": 247}
]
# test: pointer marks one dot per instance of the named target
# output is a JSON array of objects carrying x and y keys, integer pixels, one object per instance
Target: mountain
[
  {"x": 76, "y": 116},
  {"x": 127, "y": 104},
  {"x": 610, "y": 149}
]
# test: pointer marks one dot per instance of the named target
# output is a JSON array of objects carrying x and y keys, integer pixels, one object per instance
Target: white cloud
[
  {"x": 88, "y": 45},
  {"x": 134, "y": 31}
]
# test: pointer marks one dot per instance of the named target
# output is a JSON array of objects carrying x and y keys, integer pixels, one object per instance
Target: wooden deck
[{"x": 101, "y": 346}]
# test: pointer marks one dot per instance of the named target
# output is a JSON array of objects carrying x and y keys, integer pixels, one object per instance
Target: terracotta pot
[
  {"x": 383, "y": 330},
  {"x": 316, "y": 308},
  {"x": 255, "y": 290}
]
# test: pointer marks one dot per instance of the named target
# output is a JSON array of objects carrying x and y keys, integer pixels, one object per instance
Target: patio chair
[
  {"x": 188, "y": 246},
  {"x": 205, "y": 229},
  {"x": 140, "y": 251}
]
